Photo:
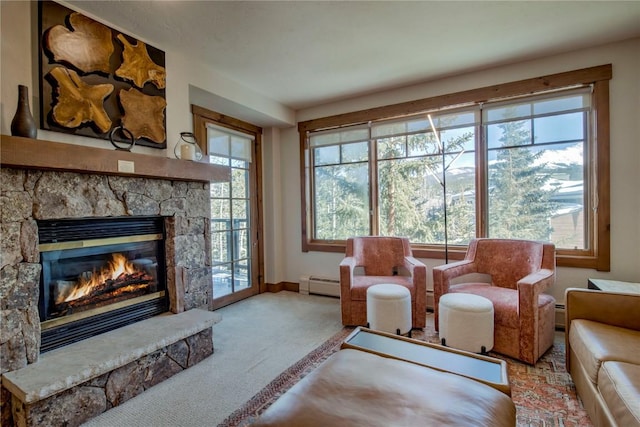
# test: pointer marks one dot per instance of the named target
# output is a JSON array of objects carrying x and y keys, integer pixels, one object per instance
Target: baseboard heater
[{"x": 319, "y": 286}]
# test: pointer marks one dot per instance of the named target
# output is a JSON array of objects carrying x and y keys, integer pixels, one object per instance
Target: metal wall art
[{"x": 94, "y": 79}]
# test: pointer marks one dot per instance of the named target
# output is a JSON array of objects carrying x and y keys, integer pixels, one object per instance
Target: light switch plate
[{"x": 126, "y": 166}]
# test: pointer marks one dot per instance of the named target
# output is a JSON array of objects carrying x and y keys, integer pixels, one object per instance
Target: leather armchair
[
  {"x": 373, "y": 260},
  {"x": 518, "y": 272}
]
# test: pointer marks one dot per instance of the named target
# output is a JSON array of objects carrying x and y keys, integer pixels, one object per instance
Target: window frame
[{"x": 598, "y": 254}]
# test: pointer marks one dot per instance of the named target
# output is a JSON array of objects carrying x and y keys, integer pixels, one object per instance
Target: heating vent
[
  {"x": 319, "y": 286},
  {"x": 66, "y": 230}
]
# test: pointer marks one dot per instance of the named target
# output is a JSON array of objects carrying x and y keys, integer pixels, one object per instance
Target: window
[
  {"x": 531, "y": 164},
  {"x": 536, "y": 151}
]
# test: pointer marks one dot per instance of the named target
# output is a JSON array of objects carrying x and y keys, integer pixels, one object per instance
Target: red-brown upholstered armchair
[
  {"x": 520, "y": 272},
  {"x": 372, "y": 260}
]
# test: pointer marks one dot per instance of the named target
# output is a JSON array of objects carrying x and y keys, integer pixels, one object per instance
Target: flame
[{"x": 118, "y": 266}]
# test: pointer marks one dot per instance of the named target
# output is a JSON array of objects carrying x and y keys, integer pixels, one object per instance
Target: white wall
[
  {"x": 625, "y": 160},
  {"x": 188, "y": 81}
]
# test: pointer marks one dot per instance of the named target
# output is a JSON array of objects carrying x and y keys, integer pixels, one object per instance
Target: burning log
[
  {"x": 112, "y": 290},
  {"x": 120, "y": 280}
]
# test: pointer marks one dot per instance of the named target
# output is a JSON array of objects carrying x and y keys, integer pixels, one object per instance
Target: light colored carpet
[{"x": 256, "y": 340}]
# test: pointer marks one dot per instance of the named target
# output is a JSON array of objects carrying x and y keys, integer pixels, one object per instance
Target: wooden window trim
[{"x": 599, "y": 257}]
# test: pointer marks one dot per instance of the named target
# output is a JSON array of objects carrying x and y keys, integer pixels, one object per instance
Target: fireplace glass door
[
  {"x": 99, "y": 283},
  {"x": 78, "y": 280}
]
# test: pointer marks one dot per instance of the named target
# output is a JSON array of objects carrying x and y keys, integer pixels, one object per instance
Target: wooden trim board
[{"x": 27, "y": 153}]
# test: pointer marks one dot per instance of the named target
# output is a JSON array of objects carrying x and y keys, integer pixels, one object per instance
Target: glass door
[{"x": 234, "y": 244}]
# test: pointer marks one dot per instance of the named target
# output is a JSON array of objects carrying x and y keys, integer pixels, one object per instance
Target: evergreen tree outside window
[{"x": 536, "y": 170}]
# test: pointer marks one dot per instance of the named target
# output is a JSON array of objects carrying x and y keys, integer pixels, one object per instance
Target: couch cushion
[
  {"x": 595, "y": 343},
  {"x": 619, "y": 385},
  {"x": 355, "y": 388}
]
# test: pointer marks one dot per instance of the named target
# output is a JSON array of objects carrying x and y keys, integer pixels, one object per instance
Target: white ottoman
[
  {"x": 389, "y": 308},
  {"x": 466, "y": 322}
]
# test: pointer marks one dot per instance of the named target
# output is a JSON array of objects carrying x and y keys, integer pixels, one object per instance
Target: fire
[{"x": 118, "y": 267}]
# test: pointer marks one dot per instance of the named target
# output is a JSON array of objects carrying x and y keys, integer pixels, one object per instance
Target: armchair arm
[
  {"x": 442, "y": 275},
  {"x": 529, "y": 289},
  {"x": 413, "y": 265},
  {"x": 347, "y": 266},
  {"x": 419, "y": 274}
]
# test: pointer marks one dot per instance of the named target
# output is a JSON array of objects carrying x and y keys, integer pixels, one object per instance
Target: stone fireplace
[{"x": 32, "y": 197}]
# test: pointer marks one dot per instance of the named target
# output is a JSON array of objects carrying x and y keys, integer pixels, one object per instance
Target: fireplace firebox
[{"x": 99, "y": 274}]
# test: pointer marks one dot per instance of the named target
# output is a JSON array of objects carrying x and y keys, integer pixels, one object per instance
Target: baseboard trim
[{"x": 282, "y": 286}]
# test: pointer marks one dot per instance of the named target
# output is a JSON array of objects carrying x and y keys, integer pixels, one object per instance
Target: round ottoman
[
  {"x": 466, "y": 322},
  {"x": 389, "y": 308}
]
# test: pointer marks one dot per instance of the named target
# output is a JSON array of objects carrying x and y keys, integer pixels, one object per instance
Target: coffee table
[
  {"x": 614, "y": 286},
  {"x": 485, "y": 369}
]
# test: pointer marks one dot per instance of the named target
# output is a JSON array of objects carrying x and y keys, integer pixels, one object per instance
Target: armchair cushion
[
  {"x": 360, "y": 284},
  {"x": 505, "y": 301}
]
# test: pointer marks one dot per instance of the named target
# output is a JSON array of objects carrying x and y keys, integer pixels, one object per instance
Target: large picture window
[{"x": 532, "y": 164}]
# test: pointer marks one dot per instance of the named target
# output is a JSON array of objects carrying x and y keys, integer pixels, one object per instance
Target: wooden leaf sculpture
[
  {"x": 88, "y": 47},
  {"x": 79, "y": 102},
  {"x": 138, "y": 67},
  {"x": 143, "y": 114}
]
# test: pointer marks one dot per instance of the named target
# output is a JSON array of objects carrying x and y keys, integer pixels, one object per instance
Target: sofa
[
  {"x": 603, "y": 354},
  {"x": 357, "y": 388}
]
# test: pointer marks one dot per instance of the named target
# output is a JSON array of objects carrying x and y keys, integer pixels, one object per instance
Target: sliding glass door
[{"x": 234, "y": 214}]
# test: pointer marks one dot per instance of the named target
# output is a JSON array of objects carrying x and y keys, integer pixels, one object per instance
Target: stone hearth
[
  {"x": 75, "y": 383},
  {"x": 28, "y": 195}
]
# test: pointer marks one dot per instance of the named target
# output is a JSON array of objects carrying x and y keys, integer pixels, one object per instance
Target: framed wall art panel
[{"x": 94, "y": 79}]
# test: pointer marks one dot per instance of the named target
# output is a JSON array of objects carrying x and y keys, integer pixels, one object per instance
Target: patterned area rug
[{"x": 544, "y": 394}]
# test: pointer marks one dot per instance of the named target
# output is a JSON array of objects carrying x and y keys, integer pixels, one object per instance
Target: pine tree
[
  {"x": 520, "y": 204},
  {"x": 344, "y": 210}
]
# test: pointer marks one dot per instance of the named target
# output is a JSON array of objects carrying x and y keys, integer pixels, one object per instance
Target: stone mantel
[{"x": 26, "y": 153}]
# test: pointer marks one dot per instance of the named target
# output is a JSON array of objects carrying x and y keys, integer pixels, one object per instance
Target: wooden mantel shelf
[{"x": 26, "y": 153}]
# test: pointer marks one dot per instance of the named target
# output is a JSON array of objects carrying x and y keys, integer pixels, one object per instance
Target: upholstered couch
[
  {"x": 357, "y": 388},
  {"x": 603, "y": 354}
]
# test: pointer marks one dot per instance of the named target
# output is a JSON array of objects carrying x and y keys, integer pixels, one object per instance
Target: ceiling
[{"x": 307, "y": 53}]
